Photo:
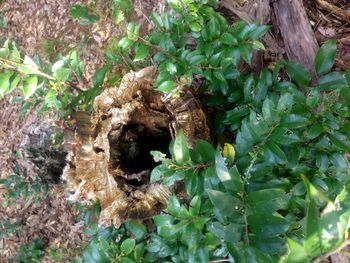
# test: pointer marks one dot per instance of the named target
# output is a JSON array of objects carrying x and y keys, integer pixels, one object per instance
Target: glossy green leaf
[
  {"x": 141, "y": 52},
  {"x": 313, "y": 239},
  {"x": 195, "y": 27},
  {"x": 127, "y": 246},
  {"x": 298, "y": 73},
  {"x": 267, "y": 225},
  {"x": 267, "y": 201},
  {"x": 296, "y": 253},
  {"x": 284, "y": 136},
  {"x": 325, "y": 57},
  {"x": 173, "y": 206},
  {"x": 62, "y": 74},
  {"x": 226, "y": 203},
  {"x": 181, "y": 150},
  {"x": 125, "y": 43},
  {"x": 293, "y": 121},
  {"x": 137, "y": 229},
  {"x": 205, "y": 150},
  {"x": 274, "y": 151},
  {"x": 14, "y": 54},
  {"x": 29, "y": 86},
  {"x": 167, "y": 86},
  {"x": 156, "y": 19},
  {"x": 232, "y": 182},
  {"x": 331, "y": 81},
  {"x": 99, "y": 76},
  {"x": 5, "y": 82}
]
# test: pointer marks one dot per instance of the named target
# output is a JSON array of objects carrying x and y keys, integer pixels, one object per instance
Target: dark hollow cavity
[{"x": 130, "y": 151}]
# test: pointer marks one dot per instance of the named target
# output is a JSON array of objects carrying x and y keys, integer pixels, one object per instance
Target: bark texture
[{"x": 299, "y": 39}]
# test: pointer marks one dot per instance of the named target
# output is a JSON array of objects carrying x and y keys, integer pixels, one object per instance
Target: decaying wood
[
  {"x": 250, "y": 10},
  {"x": 113, "y": 163},
  {"x": 334, "y": 10},
  {"x": 299, "y": 39}
]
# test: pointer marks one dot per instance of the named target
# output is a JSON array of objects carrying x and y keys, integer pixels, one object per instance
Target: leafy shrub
[
  {"x": 32, "y": 252},
  {"x": 47, "y": 87},
  {"x": 261, "y": 198}
]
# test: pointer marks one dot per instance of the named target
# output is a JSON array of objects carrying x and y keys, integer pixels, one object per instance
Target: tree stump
[{"x": 112, "y": 160}]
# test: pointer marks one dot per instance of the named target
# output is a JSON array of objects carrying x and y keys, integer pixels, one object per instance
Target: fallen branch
[{"x": 334, "y": 10}]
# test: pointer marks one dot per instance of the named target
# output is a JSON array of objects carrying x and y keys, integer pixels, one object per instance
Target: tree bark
[{"x": 298, "y": 36}]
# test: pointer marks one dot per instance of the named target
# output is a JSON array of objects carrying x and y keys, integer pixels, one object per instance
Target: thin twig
[
  {"x": 16, "y": 66},
  {"x": 340, "y": 13}
]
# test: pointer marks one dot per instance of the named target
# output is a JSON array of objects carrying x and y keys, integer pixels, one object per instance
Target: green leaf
[
  {"x": 51, "y": 97},
  {"x": 127, "y": 246},
  {"x": 214, "y": 28},
  {"x": 93, "y": 253},
  {"x": 163, "y": 220},
  {"x": 195, "y": 27},
  {"x": 137, "y": 229},
  {"x": 267, "y": 225},
  {"x": 246, "y": 53},
  {"x": 171, "y": 68},
  {"x": 284, "y": 136},
  {"x": 14, "y": 54},
  {"x": 118, "y": 16},
  {"x": 258, "y": 45},
  {"x": 14, "y": 80},
  {"x": 29, "y": 86},
  {"x": 62, "y": 74},
  {"x": 125, "y": 43},
  {"x": 141, "y": 52},
  {"x": 296, "y": 253},
  {"x": 298, "y": 73},
  {"x": 266, "y": 201},
  {"x": 167, "y": 86},
  {"x": 5, "y": 51},
  {"x": 156, "y": 19},
  {"x": 230, "y": 232},
  {"x": 234, "y": 115},
  {"x": 82, "y": 14},
  {"x": 181, "y": 150},
  {"x": 195, "y": 205},
  {"x": 228, "y": 39},
  {"x": 285, "y": 103},
  {"x": 313, "y": 239},
  {"x": 173, "y": 205},
  {"x": 133, "y": 31},
  {"x": 226, "y": 203},
  {"x": 125, "y": 5},
  {"x": 5, "y": 82},
  {"x": 272, "y": 150},
  {"x": 258, "y": 32},
  {"x": 203, "y": 254},
  {"x": 293, "y": 121},
  {"x": 205, "y": 150},
  {"x": 232, "y": 182},
  {"x": 325, "y": 57},
  {"x": 331, "y": 81},
  {"x": 99, "y": 76},
  {"x": 269, "y": 112}
]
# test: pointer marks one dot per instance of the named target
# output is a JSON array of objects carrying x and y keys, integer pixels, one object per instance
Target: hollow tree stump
[{"x": 112, "y": 161}]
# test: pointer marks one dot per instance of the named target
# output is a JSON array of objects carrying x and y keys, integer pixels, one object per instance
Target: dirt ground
[{"x": 44, "y": 27}]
